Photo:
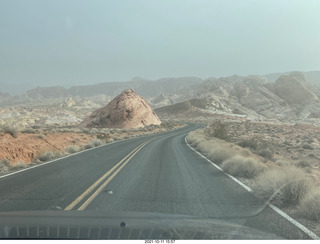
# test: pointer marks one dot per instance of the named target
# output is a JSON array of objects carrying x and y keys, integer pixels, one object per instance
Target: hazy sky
[{"x": 61, "y": 42}]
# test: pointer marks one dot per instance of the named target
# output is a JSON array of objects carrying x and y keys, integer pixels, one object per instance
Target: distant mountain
[
  {"x": 146, "y": 88},
  {"x": 47, "y": 92},
  {"x": 290, "y": 98},
  {"x": 312, "y": 76},
  {"x": 15, "y": 89}
]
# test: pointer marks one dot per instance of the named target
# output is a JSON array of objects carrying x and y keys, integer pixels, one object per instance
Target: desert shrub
[
  {"x": 202, "y": 146},
  {"x": 28, "y": 130},
  {"x": 4, "y": 165},
  {"x": 41, "y": 136},
  {"x": 86, "y": 130},
  {"x": 215, "y": 151},
  {"x": 287, "y": 186},
  {"x": 309, "y": 140},
  {"x": 47, "y": 156},
  {"x": 310, "y": 206},
  {"x": 307, "y": 146},
  {"x": 266, "y": 153},
  {"x": 248, "y": 143},
  {"x": 18, "y": 165},
  {"x": 303, "y": 164},
  {"x": 94, "y": 131},
  {"x": 219, "y": 154},
  {"x": 245, "y": 153},
  {"x": 97, "y": 142},
  {"x": 242, "y": 166},
  {"x": 283, "y": 163},
  {"x": 11, "y": 130},
  {"x": 104, "y": 137},
  {"x": 218, "y": 129},
  {"x": 311, "y": 155},
  {"x": 94, "y": 143},
  {"x": 73, "y": 149}
]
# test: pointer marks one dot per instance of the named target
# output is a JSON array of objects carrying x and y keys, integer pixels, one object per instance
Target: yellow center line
[
  {"x": 94, "y": 195},
  {"x": 94, "y": 185}
]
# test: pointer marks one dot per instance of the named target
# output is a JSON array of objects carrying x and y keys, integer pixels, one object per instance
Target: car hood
[{"x": 120, "y": 225}]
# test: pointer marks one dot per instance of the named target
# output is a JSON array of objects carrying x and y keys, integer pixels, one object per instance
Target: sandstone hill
[{"x": 127, "y": 110}]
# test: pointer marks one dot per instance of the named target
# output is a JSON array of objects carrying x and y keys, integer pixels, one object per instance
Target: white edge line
[
  {"x": 70, "y": 155},
  {"x": 277, "y": 210},
  {"x": 296, "y": 223},
  {"x": 230, "y": 176}
]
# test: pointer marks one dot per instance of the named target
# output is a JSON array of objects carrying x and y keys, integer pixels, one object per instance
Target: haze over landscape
[
  {"x": 89, "y": 89},
  {"x": 46, "y": 43}
]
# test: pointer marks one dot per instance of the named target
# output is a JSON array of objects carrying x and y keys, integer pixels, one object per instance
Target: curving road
[{"x": 157, "y": 173}]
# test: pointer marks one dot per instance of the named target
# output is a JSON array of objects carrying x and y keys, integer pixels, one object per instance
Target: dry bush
[
  {"x": 41, "y": 136},
  {"x": 245, "y": 153},
  {"x": 287, "y": 185},
  {"x": 47, "y": 156},
  {"x": 4, "y": 165},
  {"x": 266, "y": 153},
  {"x": 219, "y": 154},
  {"x": 307, "y": 146},
  {"x": 94, "y": 143},
  {"x": 248, "y": 143},
  {"x": 216, "y": 151},
  {"x": 104, "y": 137},
  {"x": 217, "y": 129},
  {"x": 72, "y": 149},
  {"x": 242, "y": 167},
  {"x": 86, "y": 130},
  {"x": 203, "y": 146},
  {"x": 303, "y": 164},
  {"x": 283, "y": 163},
  {"x": 28, "y": 130},
  {"x": 18, "y": 165},
  {"x": 11, "y": 130},
  {"x": 310, "y": 206}
]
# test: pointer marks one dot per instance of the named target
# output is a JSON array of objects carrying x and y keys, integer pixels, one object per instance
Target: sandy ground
[{"x": 28, "y": 145}]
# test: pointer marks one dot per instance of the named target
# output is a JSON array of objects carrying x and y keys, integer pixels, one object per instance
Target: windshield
[{"x": 159, "y": 119}]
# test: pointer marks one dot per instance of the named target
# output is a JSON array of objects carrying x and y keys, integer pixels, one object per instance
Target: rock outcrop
[
  {"x": 127, "y": 110},
  {"x": 294, "y": 89}
]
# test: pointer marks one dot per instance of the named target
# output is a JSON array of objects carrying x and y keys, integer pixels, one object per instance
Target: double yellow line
[{"x": 115, "y": 171}]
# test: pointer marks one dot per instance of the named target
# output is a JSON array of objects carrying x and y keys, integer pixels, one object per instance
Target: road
[{"x": 157, "y": 173}]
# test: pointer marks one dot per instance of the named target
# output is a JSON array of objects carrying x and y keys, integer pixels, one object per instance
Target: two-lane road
[{"x": 157, "y": 173}]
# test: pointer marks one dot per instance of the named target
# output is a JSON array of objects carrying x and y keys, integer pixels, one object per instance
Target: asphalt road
[{"x": 157, "y": 173}]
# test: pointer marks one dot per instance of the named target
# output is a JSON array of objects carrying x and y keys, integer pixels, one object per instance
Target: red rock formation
[{"x": 127, "y": 110}]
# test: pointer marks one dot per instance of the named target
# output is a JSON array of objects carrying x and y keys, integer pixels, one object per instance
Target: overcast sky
[{"x": 61, "y": 42}]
